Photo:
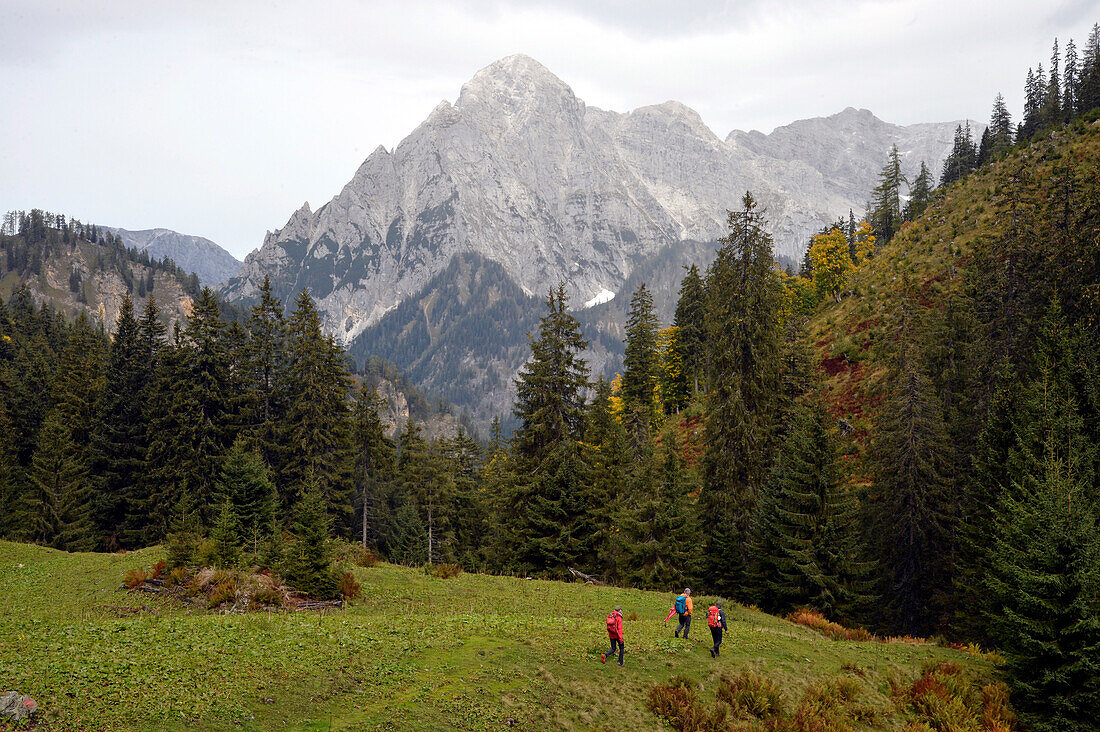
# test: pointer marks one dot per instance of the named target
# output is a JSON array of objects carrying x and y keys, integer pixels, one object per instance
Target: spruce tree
[
  {"x": 907, "y": 500},
  {"x": 309, "y": 560},
  {"x": 77, "y": 383},
  {"x": 197, "y": 407},
  {"x": 152, "y": 331},
  {"x": 413, "y": 472},
  {"x": 1000, "y": 127},
  {"x": 689, "y": 320},
  {"x": 374, "y": 456},
  {"x": 920, "y": 194},
  {"x": 1052, "y": 96},
  {"x": 1033, "y": 103},
  {"x": 885, "y": 211},
  {"x": 184, "y": 537},
  {"x": 226, "y": 536},
  {"x": 264, "y": 370},
  {"x": 170, "y": 412},
  {"x": 809, "y": 552},
  {"x": 1070, "y": 107},
  {"x": 673, "y": 385},
  {"x": 246, "y": 484},
  {"x": 59, "y": 499},
  {"x": 435, "y": 494},
  {"x": 410, "y": 539},
  {"x": 641, "y": 359},
  {"x": 1044, "y": 583},
  {"x": 119, "y": 434},
  {"x": 558, "y": 515},
  {"x": 469, "y": 522},
  {"x": 743, "y": 353},
  {"x": 12, "y": 518},
  {"x": 143, "y": 515},
  {"x": 963, "y": 158},
  {"x": 1088, "y": 95},
  {"x": 606, "y": 440},
  {"x": 316, "y": 425},
  {"x": 658, "y": 530},
  {"x": 550, "y": 387}
]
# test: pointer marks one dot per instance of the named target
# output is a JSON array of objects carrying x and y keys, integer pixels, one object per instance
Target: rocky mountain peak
[
  {"x": 520, "y": 172},
  {"x": 517, "y": 85}
]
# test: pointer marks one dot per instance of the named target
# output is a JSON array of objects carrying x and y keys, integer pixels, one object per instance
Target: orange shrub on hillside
[{"x": 836, "y": 631}]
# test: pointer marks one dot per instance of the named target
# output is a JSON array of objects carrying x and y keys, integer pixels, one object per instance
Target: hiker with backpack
[
  {"x": 716, "y": 619},
  {"x": 683, "y": 608},
  {"x": 615, "y": 633}
]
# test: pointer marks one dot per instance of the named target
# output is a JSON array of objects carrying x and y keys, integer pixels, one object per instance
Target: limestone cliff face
[{"x": 521, "y": 172}]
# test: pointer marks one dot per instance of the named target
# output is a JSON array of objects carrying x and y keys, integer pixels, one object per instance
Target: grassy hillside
[{"x": 469, "y": 653}]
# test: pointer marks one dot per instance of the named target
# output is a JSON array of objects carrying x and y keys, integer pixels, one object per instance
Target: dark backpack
[{"x": 681, "y": 604}]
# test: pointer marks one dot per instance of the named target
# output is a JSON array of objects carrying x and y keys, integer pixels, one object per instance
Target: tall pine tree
[
  {"x": 119, "y": 436},
  {"x": 315, "y": 429},
  {"x": 743, "y": 352},
  {"x": 550, "y": 388}
]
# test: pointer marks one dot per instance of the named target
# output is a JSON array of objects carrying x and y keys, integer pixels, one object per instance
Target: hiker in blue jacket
[{"x": 683, "y": 608}]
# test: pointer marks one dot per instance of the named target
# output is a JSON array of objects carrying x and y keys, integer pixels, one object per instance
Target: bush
[
  {"x": 947, "y": 699},
  {"x": 350, "y": 553},
  {"x": 750, "y": 693},
  {"x": 268, "y": 597},
  {"x": 159, "y": 569},
  {"x": 349, "y": 588},
  {"x": 676, "y": 702},
  {"x": 135, "y": 578},
  {"x": 365, "y": 558},
  {"x": 224, "y": 591},
  {"x": 176, "y": 577},
  {"x": 836, "y": 631},
  {"x": 442, "y": 571}
]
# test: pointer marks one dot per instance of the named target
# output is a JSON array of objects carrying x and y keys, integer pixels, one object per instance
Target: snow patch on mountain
[{"x": 600, "y": 298}]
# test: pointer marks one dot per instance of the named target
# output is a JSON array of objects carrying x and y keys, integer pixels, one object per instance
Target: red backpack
[
  {"x": 714, "y": 619},
  {"x": 612, "y": 626}
]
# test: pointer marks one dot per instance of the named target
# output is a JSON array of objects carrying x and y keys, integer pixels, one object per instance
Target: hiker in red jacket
[{"x": 615, "y": 633}]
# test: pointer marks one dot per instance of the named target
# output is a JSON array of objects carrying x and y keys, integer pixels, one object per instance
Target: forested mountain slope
[
  {"x": 77, "y": 268},
  {"x": 1010, "y": 239}
]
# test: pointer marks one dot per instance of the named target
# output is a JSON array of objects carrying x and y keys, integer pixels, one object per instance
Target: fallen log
[
  {"x": 318, "y": 605},
  {"x": 586, "y": 577}
]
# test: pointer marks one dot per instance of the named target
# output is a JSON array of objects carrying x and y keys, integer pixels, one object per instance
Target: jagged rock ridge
[{"x": 521, "y": 172}]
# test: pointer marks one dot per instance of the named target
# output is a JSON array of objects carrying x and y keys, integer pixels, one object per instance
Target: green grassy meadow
[{"x": 473, "y": 652}]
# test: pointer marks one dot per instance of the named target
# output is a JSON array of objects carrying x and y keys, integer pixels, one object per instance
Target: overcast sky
[{"x": 220, "y": 118}]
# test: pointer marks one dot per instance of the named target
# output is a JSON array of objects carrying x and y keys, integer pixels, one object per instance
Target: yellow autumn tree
[
  {"x": 864, "y": 245},
  {"x": 799, "y": 297},
  {"x": 616, "y": 399},
  {"x": 832, "y": 263},
  {"x": 672, "y": 385}
]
